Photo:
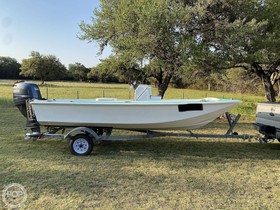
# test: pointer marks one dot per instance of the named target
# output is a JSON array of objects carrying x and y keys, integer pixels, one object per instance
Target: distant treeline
[{"x": 232, "y": 80}]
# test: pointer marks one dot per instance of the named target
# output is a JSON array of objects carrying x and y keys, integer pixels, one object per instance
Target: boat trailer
[{"x": 82, "y": 139}]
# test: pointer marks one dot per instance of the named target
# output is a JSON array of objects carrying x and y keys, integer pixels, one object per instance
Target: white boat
[
  {"x": 268, "y": 120},
  {"x": 145, "y": 112},
  {"x": 268, "y": 114}
]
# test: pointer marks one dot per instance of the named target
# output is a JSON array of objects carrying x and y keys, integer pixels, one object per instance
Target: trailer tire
[{"x": 81, "y": 145}]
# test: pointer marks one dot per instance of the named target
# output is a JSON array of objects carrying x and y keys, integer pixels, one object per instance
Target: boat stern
[{"x": 23, "y": 92}]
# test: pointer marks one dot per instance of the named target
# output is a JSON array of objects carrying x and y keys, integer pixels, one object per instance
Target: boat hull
[{"x": 131, "y": 115}]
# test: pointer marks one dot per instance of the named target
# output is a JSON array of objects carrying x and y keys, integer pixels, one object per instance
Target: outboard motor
[{"x": 22, "y": 92}]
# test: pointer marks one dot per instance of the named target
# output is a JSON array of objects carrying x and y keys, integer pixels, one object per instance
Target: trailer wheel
[{"x": 81, "y": 145}]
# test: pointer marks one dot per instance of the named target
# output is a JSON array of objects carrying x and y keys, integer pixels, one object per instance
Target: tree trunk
[
  {"x": 162, "y": 86},
  {"x": 42, "y": 78},
  {"x": 209, "y": 86},
  {"x": 278, "y": 82},
  {"x": 265, "y": 76},
  {"x": 268, "y": 87}
]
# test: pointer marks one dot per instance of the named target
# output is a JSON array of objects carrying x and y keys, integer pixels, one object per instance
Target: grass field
[{"x": 163, "y": 173}]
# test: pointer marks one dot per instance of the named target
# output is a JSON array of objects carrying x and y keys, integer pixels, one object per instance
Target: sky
[{"x": 49, "y": 27}]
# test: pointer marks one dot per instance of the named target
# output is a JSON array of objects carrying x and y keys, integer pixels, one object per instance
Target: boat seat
[
  {"x": 209, "y": 99},
  {"x": 155, "y": 98},
  {"x": 106, "y": 99}
]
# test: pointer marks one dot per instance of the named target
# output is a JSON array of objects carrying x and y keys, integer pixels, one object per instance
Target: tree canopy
[
  {"x": 78, "y": 71},
  {"x": 241, "y": 34},
  {"x": 122, "y": 69},
  {"x": 165, "y": 36},
  {"x": 146, "y": 31},
  {"x": 9, "y": 68},
  {"x": 43, "y": 67}
]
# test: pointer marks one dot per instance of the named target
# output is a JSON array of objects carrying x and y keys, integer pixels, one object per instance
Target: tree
[
  {"x": 242, "y": 34},
  {"x": 212, "y": 35},
  {"x": 42, "y": 67},
  {"x": 116, "y": 69},
  {"x": 78, "y": 71},
  {"x": 146, "y": 31},
  {"x": 9, "y": 68}
]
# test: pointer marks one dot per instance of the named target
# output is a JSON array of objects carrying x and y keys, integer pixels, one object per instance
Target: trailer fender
[{"x": 86, "y": 130}]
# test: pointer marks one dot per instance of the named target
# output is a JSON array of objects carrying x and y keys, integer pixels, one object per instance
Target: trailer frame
[{"x": 86, "y": 136}]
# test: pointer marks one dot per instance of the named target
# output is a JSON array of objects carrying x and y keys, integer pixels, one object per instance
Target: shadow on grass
[
  {"x": 160, "y": 148},
  {"x": 202, "y": 147}
]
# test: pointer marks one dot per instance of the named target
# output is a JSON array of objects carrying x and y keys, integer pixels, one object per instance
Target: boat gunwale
[{"x": 91, "y": 102}]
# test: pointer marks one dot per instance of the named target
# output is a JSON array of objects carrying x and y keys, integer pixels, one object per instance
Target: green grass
[{"x": 162, "y": 173}]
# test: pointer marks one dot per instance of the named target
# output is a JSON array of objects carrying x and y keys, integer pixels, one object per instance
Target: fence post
[{"x": 47, "y": 92}]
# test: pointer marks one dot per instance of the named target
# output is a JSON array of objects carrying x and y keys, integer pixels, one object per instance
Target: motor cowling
[{"x": 22, "y": 92}]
